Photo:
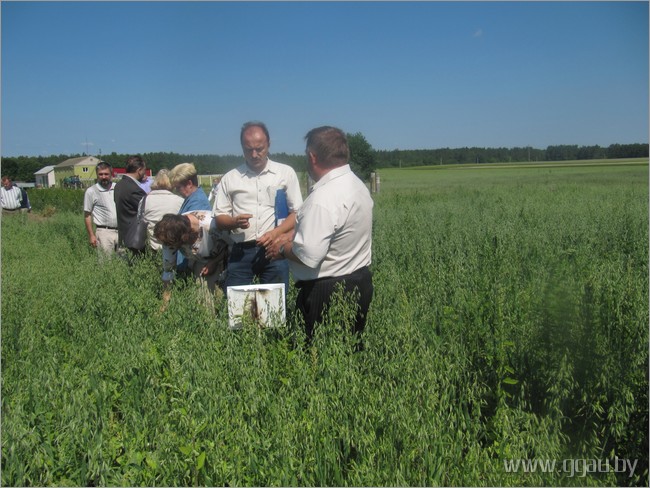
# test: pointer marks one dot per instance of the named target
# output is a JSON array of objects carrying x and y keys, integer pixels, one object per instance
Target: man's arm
[
  {"x": 89, "y": 229},
  {"x": 285, "y": 227},
  {"x": 226, "y": 222},
  {"x": 24, "y": 200},
  {"x": 284, "y": 242},
  {"x": 309, "y": 243}
]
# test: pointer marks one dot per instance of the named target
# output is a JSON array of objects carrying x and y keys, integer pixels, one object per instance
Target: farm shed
[
  {"x": 45, "y": 177},
  {"x": 82, "y": 168}
]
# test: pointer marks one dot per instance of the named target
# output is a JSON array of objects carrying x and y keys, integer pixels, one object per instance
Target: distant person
[
  {"x": 333, "y": 235},
  {"x": 160, "y": 201},
  {"x": 25, "y": 206},
  {"x": 146, "y": 183},
  {"x": 11, "y": 197},
  {"x": 99, "y": 208},
  {"x": 245, "y": 205},
  {"x": 185, "y": 181},
  {"x": 128, "y": 193},
  {"x": 215, "y": 189},
  {"x": 196, "y": 236}
]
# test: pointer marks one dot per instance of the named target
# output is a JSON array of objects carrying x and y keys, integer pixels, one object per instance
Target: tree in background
[
  {"x": 362, "y": 155},
  {"x": 363, "y": 158}
]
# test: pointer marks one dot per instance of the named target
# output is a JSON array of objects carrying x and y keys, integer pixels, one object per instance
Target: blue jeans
[{"x": 246, "y": 263}]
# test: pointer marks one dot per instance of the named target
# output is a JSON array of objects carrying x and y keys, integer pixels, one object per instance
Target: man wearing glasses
[{"x": 245, "y": 206}]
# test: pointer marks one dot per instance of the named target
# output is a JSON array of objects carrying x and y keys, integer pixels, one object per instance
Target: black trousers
[{"x": 315, "y": 296}]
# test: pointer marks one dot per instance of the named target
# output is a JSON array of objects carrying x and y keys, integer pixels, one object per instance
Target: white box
[{"x": 263, "y": 304}]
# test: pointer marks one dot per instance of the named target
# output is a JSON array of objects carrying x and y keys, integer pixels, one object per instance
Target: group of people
[{"x": 236, "y": 237}]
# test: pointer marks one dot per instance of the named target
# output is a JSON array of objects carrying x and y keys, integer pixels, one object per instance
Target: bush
[{"x": 63, "y": 200}]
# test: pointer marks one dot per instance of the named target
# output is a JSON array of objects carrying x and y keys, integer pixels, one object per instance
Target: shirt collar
[
  {"x": 101, "y": 188},
  {"x": 331, "y": 175},
  {"x": 271, "y": 167},
  {"x": 129, "y": 176}
]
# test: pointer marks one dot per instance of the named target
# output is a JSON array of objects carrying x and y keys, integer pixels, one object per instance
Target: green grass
[{"x": 510, "y": 321}]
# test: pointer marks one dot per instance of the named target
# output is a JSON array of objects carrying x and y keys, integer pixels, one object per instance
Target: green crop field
[{"x": 507, "y": 344}]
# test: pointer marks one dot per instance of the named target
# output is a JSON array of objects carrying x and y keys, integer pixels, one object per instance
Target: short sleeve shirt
[
  {"x": 333, "y": 227},
  {"x": 243, "y": 191},
  {"x": 100, "y": 203}
]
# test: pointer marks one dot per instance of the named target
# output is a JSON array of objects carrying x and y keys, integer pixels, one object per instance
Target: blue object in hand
[{"x": 281, "y": 207}]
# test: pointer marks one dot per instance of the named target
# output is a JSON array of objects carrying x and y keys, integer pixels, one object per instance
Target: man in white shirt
[
  {"x": 333, "y": 232},
  {"x": 11, "y": 197},
  {"x": 245, "y": 206},
  {"x": 99, "y": 208}
]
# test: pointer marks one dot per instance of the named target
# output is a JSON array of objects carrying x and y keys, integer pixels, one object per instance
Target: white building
[{"x": 45, "y": 177}]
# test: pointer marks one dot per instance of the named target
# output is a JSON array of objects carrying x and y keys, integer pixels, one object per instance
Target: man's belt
[
  {"x": 246, "y": 245},
  {"x": 105, "y": 227},
  {"x": 354, "y": 274}
]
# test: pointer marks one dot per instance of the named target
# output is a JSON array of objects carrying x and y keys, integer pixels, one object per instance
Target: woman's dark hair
[{"x": 174, "y": 231}]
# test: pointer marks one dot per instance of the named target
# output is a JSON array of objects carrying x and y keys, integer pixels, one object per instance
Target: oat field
[{"x": 509, "y": 322}]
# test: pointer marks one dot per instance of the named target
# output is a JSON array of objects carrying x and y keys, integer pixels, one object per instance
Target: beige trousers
[{"x": 106, "y": 240}]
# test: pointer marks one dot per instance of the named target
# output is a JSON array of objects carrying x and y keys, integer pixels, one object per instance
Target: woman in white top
[{"x": 158, "y": 202}]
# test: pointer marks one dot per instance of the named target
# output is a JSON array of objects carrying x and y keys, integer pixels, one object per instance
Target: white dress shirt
[
  {"x": 333, "y": 227},
  {"x": 243, "y": 191}
]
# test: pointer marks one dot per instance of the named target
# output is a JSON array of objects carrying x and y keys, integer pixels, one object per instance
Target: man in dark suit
[{"x": 128, "y": 194}]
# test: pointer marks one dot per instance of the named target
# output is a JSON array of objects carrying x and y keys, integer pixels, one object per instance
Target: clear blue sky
[{"x": 135, "y": 77}]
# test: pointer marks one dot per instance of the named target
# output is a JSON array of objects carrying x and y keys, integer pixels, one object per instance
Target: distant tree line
[
  {"x": 479, "y": 155},
  {"x": 22, "y": 168},
  {"x": 364, "y": 158},
  {"x": 206, "y": 164}
]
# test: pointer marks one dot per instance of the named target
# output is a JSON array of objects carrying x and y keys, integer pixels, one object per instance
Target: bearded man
[{"x": 99, "y": 208}]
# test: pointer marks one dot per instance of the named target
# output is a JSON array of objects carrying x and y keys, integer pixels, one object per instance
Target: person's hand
[
  {"x": 93, "y": 241},
  {"x": 242, "y": 221},
  {"x": 273, "y": 250},
  {"x": 210, "y": 267},
  {"x": 268, "y": 238}
]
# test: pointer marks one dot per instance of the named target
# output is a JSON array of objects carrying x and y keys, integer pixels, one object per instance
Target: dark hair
[
  {"x": 330, "y": 145},
  {"x": 103, "y": 165},
  {"x": 134, "y": 163},
  {"x": 254, "y": 123},
  {"x": 174, "y": 231}
]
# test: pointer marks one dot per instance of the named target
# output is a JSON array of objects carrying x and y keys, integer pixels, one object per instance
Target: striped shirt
[
  {"x": 11, "y": 198},
  {"x": 99, "y": 202}
]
